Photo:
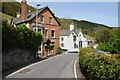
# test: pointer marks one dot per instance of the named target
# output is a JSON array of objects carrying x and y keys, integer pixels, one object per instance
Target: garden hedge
[
  {"x": 99, "y": 66},
  {"x": 20, "y": 37}
]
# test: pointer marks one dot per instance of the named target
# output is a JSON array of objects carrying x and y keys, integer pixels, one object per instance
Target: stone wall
[{"x": 15, "y": 58}]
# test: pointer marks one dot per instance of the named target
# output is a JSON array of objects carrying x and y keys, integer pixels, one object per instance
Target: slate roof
[
  {"x": 33, "y": 14},
  {"x": 68, "y": 32},
  {"x": 30, "y": 16}
]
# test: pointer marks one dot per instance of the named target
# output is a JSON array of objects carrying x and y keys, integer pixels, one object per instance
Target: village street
[{"x": 60, "y": 66}]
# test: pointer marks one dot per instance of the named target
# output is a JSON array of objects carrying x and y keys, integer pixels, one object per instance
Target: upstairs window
[
  {"x": 74, "y": 38},
  {"x": 62, "y": 39},
  {"x": 41, "y": 18},
  {"x": 50, "y": 20},
  {"x": 53, "y": 33}
]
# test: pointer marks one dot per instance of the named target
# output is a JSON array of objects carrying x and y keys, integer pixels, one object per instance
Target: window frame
[
  {"x": 62, "y": 39},
  {"x": 42, "y": 18},
  {"x": 54, "y": 33},
  {"x": 74, "y": 38},
  {"x": 50, "y": 20}
]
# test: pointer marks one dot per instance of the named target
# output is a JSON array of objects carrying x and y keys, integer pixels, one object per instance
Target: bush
[
  {"x": 9, "y": 37},
  {"x": 20, "y": 37},
  {"x": 58, "y": 51},
  {"x": 51, "y": 47},
  {"x": 99, "y": 66}
]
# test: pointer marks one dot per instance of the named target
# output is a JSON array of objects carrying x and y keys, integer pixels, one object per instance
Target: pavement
[
  {"x": 60, "y": 66},
  {"x": 79, "y": 73}
]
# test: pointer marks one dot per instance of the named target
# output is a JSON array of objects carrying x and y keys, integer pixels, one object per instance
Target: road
[{"x": 60, "y": 66}]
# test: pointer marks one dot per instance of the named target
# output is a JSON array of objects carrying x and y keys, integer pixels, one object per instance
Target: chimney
[
  {"x": 71, "y": 26},
  {"x": 23, "y": 10},
  {"x": 18, "y": 14}
]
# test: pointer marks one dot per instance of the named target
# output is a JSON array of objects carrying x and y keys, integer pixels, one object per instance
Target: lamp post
[
  {"x": 36, "y": 23},
  {"x": 37, "y": 16}
]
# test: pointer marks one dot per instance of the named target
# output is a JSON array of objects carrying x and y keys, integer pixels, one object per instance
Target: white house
[{"x": 72, "y": 40}]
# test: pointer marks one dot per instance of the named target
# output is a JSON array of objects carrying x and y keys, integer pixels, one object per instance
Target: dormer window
[
  {"x": 42, "y": 19},
  {"x": 50, "y": 20}
]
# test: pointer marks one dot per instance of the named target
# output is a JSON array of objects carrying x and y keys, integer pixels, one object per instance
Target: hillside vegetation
[
  {"x": 5, "y": 16},
  {"x": 88, "y": 28},
  {"x": 11, "y": 8}
]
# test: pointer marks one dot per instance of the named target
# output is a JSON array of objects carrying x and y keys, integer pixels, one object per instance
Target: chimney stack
[
  {"x": 23, "y": 10},
  {"x": 71, "y": 26}
]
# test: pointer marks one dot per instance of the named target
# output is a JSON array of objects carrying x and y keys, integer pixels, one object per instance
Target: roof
[
  {"x": 33, "y": 14},
  {"x": 68, "y": 32},
  {"x": 89, "y": 37},
  {"x": 46, "y": 41}
]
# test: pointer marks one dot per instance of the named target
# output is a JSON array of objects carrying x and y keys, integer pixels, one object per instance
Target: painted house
[
  {"x": 42, "y": 20},
  {"x": 72, "y": 39}
]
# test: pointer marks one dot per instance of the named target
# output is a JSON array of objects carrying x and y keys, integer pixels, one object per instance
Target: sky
[{"x": 99, "y": 12}]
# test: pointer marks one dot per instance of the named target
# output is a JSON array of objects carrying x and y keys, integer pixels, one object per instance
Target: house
[
  {"x": 72, "y": 39},
  {"x": 42, "y": 20}
]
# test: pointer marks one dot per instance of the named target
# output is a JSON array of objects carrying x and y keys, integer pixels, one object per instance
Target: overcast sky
[{"x": 99, "y": 12}]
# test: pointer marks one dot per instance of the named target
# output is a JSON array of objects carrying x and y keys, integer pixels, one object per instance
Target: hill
[
  {"x": 88, "y": 28},
  {"x": 5, "y": 16},
  {"x": 11, "y": 8}
]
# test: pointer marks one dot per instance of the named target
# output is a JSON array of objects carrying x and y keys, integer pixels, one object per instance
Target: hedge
[
  {"x": 58, "y": 50},
  {"x": 99, "y": 66},
  {"x": 20, "y": 37}
]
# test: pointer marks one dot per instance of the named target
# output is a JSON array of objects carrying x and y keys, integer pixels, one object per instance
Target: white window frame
[
  {"x": 62, "y": 39},
  {"x": 54, "y": 33}
]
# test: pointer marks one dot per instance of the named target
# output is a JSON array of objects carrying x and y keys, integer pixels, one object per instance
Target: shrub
[
  {"x": 51, "y": 47},
  {"x": 58, "y": 51},
  {"x": 99, "y": 66},
  {"x": 20, "y": 37},
  {"x": 9, "y": 37}
]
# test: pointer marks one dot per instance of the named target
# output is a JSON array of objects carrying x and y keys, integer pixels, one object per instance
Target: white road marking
[{"x": 75, "y": 74}]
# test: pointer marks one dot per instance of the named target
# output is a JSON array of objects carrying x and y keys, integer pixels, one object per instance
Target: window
[
  {"x": 74, "y": 38},
  {"x": 75, "y": 46},
  {"x": 80, "y": 34},
  {"x": 80, "y": 44},
  {"x": 52, "y": 33},
  {"x": 39, "y": 30},
  {"x": 62, "y": 39},
  {"x": 34, "y": 29},
  {"x": 42, "y": 18},
  {"x": 62, "y": 45},
  {"x": 46, "y": 32},
  {"x": 50, "y": 20}
]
